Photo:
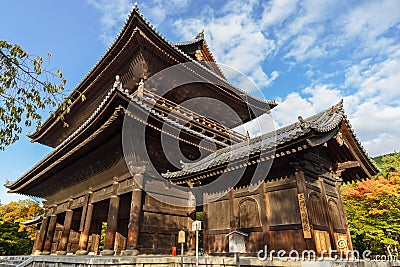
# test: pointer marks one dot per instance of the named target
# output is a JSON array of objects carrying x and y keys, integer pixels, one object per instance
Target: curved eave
[
  {"x": 199, "y": 43},
  {"x": 86, "y": 132},
  {"x": 135, "y": 20},
  {"x": 325, "y": 123}
]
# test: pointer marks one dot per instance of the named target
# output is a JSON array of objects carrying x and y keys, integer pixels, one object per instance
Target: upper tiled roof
[
  {"x": 135, "y": 12},
  {"x": 324, "y": 121}
]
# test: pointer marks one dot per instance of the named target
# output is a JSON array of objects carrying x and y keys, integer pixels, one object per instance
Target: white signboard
[
  {"x": 196, "y": 226},
  {"x": 237, "y": 244},
  {"x": 181, "y": 237}
]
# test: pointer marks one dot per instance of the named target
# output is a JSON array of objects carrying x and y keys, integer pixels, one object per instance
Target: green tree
[
  {"x": 388, "y": 163},
  {"x": 15, "y": 237},
  {"x": 373, "y": 208},
  {"x": 27, "y": 87},
  {"x": 21, "y": 211},
  {"x": 13, "y": 242}
]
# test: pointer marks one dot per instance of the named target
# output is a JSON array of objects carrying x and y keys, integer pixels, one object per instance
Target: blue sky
[{"x": 305, "y": 55}]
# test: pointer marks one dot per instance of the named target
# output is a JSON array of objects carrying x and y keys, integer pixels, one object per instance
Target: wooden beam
[{"x": 348, "y": 165}]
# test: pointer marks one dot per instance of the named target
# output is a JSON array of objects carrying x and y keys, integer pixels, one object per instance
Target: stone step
[{"x": 9, "y": 261}]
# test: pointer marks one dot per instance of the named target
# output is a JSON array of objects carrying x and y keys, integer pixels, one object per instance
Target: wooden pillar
[
  {"x": 232, "y": 218},
  {"x": 264, "y": 215},
  {"x": 205, "y": 223},
  {"x": 327, "y": 213},
  {"x": 94, "y": 249},
  {"x": 84, "y": 235},
  {"x": 134, "y": 218},
  {"x": 50, "y": 232},
  {"x": 191, "y": 240},
  {"x": 33, "y": 252},
  {"x": 302, "y": 194},
  {"x": 112, "y": 222},
  {"x": 338, "y": 183},
  {"x": 39, "y": 242},
  {"x": 62, "y": 246}
]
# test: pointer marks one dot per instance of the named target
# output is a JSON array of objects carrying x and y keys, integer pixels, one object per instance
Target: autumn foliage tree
[
  {"x": 15, "y": 237},
  {"x": 373, "y": 209}
]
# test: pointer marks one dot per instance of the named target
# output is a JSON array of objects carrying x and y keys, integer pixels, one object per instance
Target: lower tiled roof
[{"x": 324, "y": 121}]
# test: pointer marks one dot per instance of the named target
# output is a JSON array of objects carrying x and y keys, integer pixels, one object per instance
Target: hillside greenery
[{"x": 373, "y": 208}]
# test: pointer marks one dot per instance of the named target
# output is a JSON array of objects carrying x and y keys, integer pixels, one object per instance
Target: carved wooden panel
[
  {"x": 334, "y": 213},
  {"x": 316, "y": 210},
  {"x": 249, "y": 214}
]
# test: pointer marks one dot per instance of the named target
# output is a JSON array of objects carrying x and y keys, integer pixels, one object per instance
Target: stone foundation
[{"x": 168, "y": 261}]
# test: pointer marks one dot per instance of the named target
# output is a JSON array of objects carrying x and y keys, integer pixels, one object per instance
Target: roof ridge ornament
[
  {"x": 303, "y": 123},
  {"x": 200, "y": 35},
  {"x": 140, "y": 90},
  {"x": 136, "y": 6},
  {"x": 117, "y": 83},
  {"x": 339, "y": 106}
]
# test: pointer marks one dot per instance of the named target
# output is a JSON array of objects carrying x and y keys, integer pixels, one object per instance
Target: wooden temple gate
[{"x": 88, "y": 182}]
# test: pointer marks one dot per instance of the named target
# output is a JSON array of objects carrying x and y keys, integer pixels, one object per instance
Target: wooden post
[
  {"x": 264, "y": 215},
  {"x": 96, "y": 237},
  {"x": 191, "y": 243},
  {"x": 84, "y": 235},
  {"x": 338, "y": 183},
  {"x": 112, "y": 222},
  {"x": 205, "y": 223},
  {"x": 39, "y": 243},
  {"x": 62, "y": 246},
  {"x": 134, "y": 218},
  {"x": 50, "y": 232},
  {"x": 327, "y": 213},
  {"x": 302, "y": 189},
  {"x": 232, "y": 217}
]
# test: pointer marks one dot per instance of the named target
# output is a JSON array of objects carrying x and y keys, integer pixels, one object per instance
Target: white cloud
[
  {"x": 247, "y": 47},
  {"x": 347, "y": 50},
  {"x": 376, "y": 123},
  {"x": 370, "y": 19},
  {"x": 383, "y": 144},
  {"x": 277, "y": 11},
  {"x": 310, "y": 101},
  {"x": 112, "y": 14}
]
